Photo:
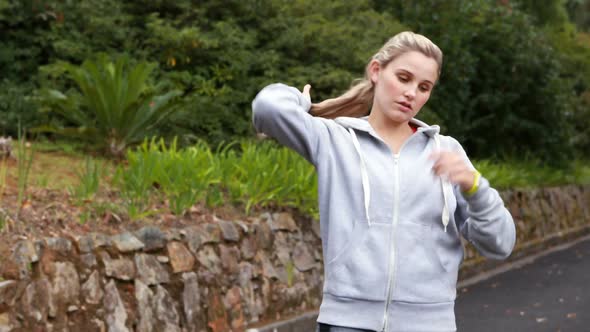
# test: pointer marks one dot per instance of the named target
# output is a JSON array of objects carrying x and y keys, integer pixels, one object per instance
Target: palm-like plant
[{"x": 114, "y": 105}]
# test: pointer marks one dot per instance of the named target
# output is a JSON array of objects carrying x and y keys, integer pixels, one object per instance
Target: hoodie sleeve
[
  {"x": 484, "y": 221},
  {"x": 281, "y": 112}
]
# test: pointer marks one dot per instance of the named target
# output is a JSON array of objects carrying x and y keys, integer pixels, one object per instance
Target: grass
[
  {"x": 253, "y": 174},
  {"x": 58, "y": 166},
  {"x": 3, "y": 218},
  {"x": 3, "y": 173},
  {"x": 264, "y": 174},
  {"x": 24, "y": 155},
  {"x": 246, "y": 174},
  {"x": 88, "y": 180},
  {"x": 74, "y": 149},
  {"x": 242, "y": 173},
  {"x": 183, "y": 177},
  {"x": 290, "y": 272},
  {"x": 527, "y": 174}
]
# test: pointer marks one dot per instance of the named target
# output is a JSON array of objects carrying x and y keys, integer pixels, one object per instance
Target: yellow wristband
[{"x": 475, "y": 186}]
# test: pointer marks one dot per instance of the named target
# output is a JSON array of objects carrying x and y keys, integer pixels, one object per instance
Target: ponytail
[{"x": 356, "y": 102}]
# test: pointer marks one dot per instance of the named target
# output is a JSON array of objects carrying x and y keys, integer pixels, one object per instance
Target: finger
[
  {"x": 447, "y": 159},
  {"x": 450, "y": 167},
  {"x": 459, "y": 175},
  {"x": 305, "y": 92},
  {"x": 306, "y": 89},
  {"x": 441, "y": 155},
  {"x": 456, "y": 173},
  {"x": 441, "y": 160},
  {"x": 439, "y": 170}
]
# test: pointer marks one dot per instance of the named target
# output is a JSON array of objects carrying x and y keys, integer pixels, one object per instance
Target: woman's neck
[{"x": 393, "y": 133}]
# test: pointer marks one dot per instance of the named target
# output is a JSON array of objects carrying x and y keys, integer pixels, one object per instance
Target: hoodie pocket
[
  {"x": 421, "y": 276},
  {"x": 360, "y": 270}
]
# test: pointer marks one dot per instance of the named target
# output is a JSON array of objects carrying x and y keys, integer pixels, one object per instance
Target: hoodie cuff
[
  {"x": 478, "y": 199},
  {"x": 473, "y": 189},
  {"x": 303, "y": 101}
]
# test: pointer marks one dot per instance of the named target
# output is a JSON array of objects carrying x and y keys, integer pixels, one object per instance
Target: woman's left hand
[{"x": 453, "y": 167}]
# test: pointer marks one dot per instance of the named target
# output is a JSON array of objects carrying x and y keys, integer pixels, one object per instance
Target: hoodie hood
[{"x": 362, "y": 124}]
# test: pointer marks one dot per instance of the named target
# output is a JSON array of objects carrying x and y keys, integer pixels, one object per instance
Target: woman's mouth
[{"x": 404, "y": 106}]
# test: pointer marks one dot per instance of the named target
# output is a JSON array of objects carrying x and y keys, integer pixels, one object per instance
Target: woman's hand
[
  {"x": 305, "y": 92},
  {"x": 322, "y": 104},
  {"x": 453, "y": 167}
]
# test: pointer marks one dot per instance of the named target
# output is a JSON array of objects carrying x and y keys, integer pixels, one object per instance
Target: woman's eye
[
  {"x": 403, "y": 78},
  {"x": 424, "y": 88}
]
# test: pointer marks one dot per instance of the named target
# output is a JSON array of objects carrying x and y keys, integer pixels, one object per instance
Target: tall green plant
[
  {"x": 186, "y": 175},
  {"x": 25, "y": 161},
  {"x": 88, "y": 181},
  {"x": 3, "y": 172},
  {"x": 182, "y": 176},
  {"x": 113, "y": 105},
  {"x": 263, "y": 174},
  {"x": 136, "y": 182}
]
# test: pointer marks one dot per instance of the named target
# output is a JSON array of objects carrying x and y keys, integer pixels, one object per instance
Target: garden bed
[{"x": 51, "y": 210}]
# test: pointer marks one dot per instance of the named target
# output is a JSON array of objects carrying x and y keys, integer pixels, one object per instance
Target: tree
[{"x": 500, "y": 91}]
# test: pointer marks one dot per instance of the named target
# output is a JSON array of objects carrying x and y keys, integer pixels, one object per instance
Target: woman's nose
[{"x": 410, "y": 93}]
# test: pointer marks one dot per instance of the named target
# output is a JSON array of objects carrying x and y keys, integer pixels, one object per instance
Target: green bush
[
  {"x": 17, "y": 105},
  {"x": 231, "y": 51},
  {"x": 579, "y": 12},
  {"x": 245, "y": 174},
  {"x": 181, "y": 176},
  {"x": 501, "y": 93},
  {"x": 574, "y": 54},
  {"x": 114, "y": 104},
  {"x": 266, "y": 175},
  {"x": 518, "y": 173}
]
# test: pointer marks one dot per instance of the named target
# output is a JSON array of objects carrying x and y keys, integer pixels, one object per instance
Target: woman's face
[{"x": 403, "y": 86}]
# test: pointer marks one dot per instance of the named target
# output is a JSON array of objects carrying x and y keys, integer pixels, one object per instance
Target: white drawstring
[
  {"x": 445, "y": 187},
  {"x": 445, "y": 184},
  {"x": 364, "y": 175}
]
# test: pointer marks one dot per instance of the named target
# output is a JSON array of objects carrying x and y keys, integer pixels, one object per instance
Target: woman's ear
[{"x": 374, "y": 68}]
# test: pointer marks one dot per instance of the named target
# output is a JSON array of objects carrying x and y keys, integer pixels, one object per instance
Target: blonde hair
[{"x": 357, "y": 101}]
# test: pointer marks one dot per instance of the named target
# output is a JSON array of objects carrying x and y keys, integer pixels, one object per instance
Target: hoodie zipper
[
  {"x": 390, "y": 280},
  {"x": 391, "y": 277}
]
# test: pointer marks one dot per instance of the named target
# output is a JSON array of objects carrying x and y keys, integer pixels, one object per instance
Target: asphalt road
[{"x": 551, "y": 294}]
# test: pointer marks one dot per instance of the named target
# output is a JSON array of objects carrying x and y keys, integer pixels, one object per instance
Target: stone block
[{"x": 181, "y": 258}]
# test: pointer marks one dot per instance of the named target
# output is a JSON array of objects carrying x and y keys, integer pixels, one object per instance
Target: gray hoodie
[{"x": 390, "y": 228}]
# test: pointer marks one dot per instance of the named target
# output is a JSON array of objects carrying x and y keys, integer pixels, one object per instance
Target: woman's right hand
[
  {"x": 305, "y": 92},
  {"x": 321, "y": 104}
]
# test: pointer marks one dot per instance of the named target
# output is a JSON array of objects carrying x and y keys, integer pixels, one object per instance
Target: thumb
[{"x": 305, "y": 92}]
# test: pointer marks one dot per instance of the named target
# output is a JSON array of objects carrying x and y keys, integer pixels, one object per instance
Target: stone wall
[
  {"x": 220, "y": 276},
  {"x": 543, "y": 217},
  {"x": 212, "y": 277}
]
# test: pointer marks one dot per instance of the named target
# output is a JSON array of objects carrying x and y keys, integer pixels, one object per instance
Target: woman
[{"x": 394, "y": 194}]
